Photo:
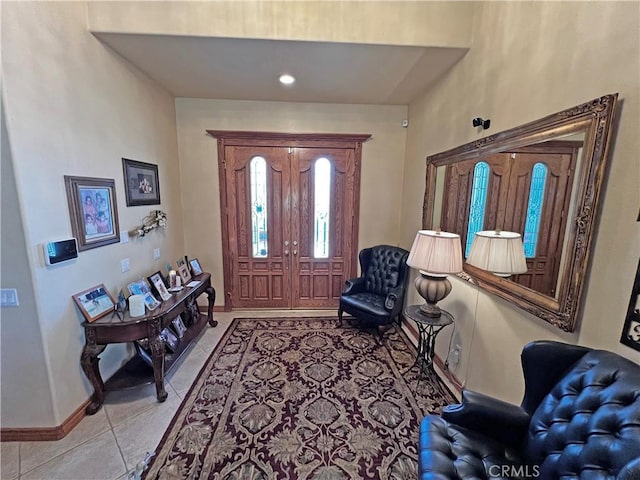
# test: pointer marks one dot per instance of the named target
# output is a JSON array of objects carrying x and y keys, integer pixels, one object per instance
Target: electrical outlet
[
  {"x": 156, "y": 253},
  {"x": 454, "y": 356},
  {"x": 125, "y": 265}
]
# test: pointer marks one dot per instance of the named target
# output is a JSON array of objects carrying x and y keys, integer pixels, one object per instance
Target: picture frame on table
[
  {"x": 141, "y": 287},
  {"x": 121, "y": 304},
  {"x": 194, "y": 264},
  {"x": 141, "y": 183},
  {"x": 93, "y": 211},
  {"x": 95, "y": 302},
  {"x": 157, "y": 284},
  {"x": 631, "y": 329},
  {"x": 170, "y": 339},
  {"x": 179, "y": 326},
  {"x": 183, "y": 271},
  {"x": 144, "y": 352}
]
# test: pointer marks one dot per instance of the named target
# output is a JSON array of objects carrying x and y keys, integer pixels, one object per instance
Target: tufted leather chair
[
  {"x": 580, "y": 419},
  {"x": 376, "y": 297}
]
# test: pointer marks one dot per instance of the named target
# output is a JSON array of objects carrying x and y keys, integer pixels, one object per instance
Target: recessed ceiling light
[{"x": 286, "y": 79}]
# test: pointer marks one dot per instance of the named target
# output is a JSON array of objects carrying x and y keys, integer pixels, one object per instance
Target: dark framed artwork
[
  {"x": 95, "y": 302},
  {"x": 157, "y": 284},
  {"x": 141, "y": 183},
  {"x": 93, "y": 210},
  {"x": 631, "y": 330}
]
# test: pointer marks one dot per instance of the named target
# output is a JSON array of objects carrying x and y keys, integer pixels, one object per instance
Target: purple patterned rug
[{"x": 300, "y": 398}]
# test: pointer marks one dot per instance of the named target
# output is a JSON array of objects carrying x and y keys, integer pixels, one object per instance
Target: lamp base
[
  {"x": 430, "y": 310},
  {"x": 432, "y": 289}
]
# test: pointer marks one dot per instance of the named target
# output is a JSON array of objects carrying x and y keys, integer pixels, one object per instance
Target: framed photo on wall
[
  {"x": 631, "y": 330},
  {"x": 95, "y": 302},
  {"x": 93, "y": 210},
  {"x": 141, "y": 183}
]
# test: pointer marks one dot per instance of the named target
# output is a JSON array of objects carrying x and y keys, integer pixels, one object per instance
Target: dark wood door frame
[{"x": 226, "y": 138}]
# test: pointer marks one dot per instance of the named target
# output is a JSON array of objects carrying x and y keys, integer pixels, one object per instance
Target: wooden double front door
[{"x": 290, "y": 208}]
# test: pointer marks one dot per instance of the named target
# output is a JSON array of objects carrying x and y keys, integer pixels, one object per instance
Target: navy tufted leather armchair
[
  {"x": 376, "y": 297},
  {"x": 580, "y": 419}
]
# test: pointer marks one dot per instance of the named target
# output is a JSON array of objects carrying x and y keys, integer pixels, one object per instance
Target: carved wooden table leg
[
  {"x": 211, "y": 296},
  {"x": 192, "y": 308},
  {"x": 157, "y": 352},
  {"x": 89, "y": 362}
]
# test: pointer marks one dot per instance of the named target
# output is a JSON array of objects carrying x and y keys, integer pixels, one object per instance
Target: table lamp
[
  {"x": 498, "y": 252},
  {"x": 435, "y": 254}
]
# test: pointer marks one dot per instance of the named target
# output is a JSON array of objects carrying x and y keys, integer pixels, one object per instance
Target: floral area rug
[{"x": 300, "y": 399}]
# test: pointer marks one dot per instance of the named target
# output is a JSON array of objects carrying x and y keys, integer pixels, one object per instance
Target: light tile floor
[{"x": 109, "y": 444}]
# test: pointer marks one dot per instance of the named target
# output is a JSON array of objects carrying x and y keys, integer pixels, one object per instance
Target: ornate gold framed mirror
[{"x": 542, "y": 180}]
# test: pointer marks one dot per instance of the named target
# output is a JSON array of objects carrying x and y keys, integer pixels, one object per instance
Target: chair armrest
[
  {"x": 631, "y": 471},
  {"x": 395, "y": 297},
  {"x": 354, "y": 285},
  {"x": 500, "y": 420}
]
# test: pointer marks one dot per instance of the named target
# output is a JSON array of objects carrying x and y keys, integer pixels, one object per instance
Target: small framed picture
[
  {"x": 122, "y": 301},
  {"x": 183, "y": 271},
  {"x": 141, "y": 287},
  {"x": 158, "y": 285},
  {"x": 143, "y": 352},
  {"x": 93, "y": 210},
  {"x": 196, "y": 269},
  {"x": 94, "y": 302},
  {"x": 170, "y": 339},
  {"x": 141, "y": 184},
  {"x": 179, "y": 326}
]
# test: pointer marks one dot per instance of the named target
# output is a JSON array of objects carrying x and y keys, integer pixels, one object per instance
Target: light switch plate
[
  {"x": 125, "y": 265},
  {"x": 156, "y": 253},
  {"x": 9, "y": 297},
  {"x": 124, "y": 236}
]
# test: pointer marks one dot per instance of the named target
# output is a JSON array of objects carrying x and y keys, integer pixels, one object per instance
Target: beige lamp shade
[
  {"x": 436, "y": 253},
  {"x": 499, "y": 252}
]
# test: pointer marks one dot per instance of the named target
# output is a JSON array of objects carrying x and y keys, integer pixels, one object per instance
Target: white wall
[
  {"x": 528, "y": 60},
  {"x": 20, "y": 335},
  {"x": 73, "y": 107},
  {"x": 381, "y": 172},
  {"x": 443, "y": 24}
]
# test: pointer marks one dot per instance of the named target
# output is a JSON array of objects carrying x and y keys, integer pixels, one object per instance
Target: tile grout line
[
  {"x": 124, "y": 462},
  {"x": 116, "y": 439}
]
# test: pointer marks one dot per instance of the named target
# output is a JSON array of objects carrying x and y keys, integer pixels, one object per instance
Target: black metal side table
[{"x": 428, "y": 329}]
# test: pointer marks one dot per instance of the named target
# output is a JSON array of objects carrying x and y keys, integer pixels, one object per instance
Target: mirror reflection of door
[
  {"x": 526, "y": 190},
  {"x": 291, "y": 224}
]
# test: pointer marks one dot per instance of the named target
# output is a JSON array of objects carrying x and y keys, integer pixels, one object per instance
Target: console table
[{"x": 114, "y": 329}]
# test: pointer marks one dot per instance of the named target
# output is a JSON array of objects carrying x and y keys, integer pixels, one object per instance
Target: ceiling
[{"x": 247, "y": 69}]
